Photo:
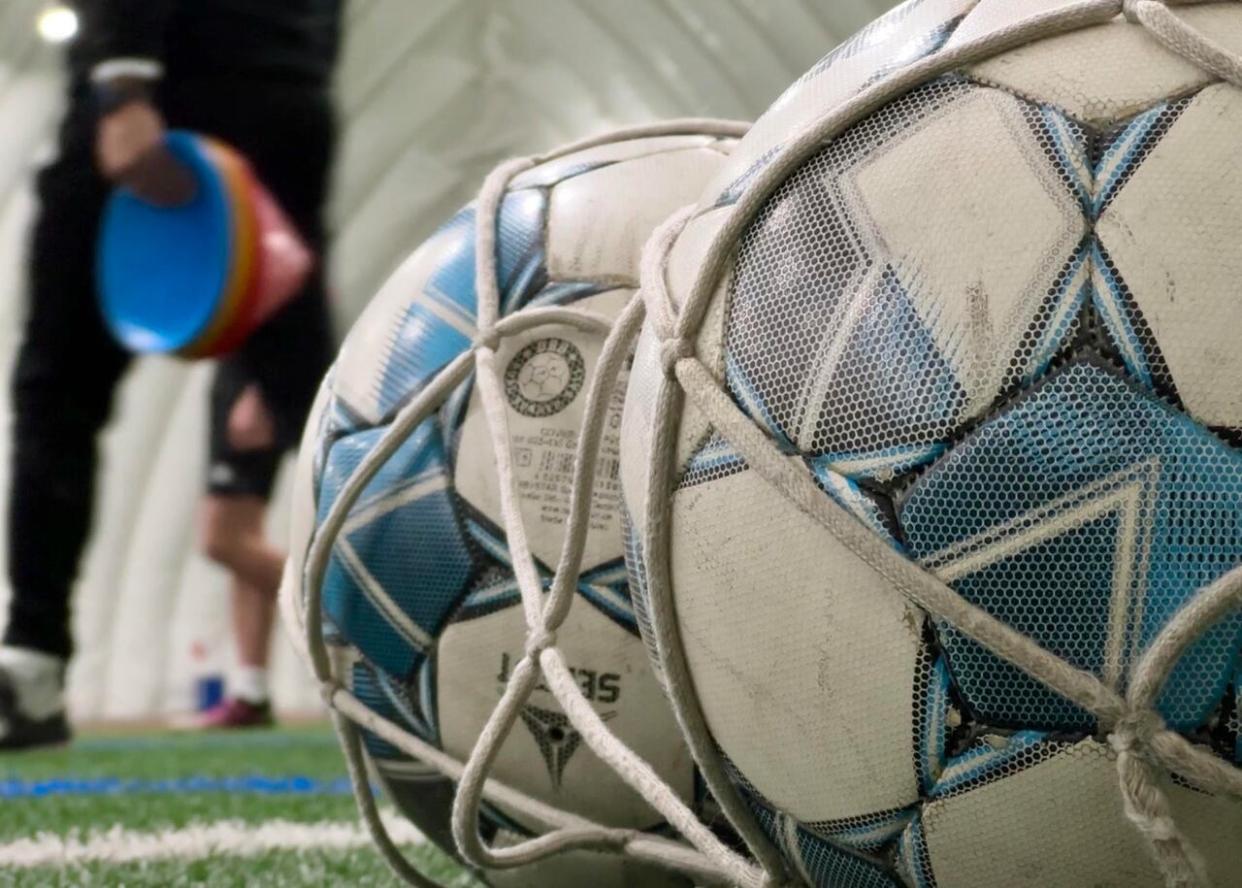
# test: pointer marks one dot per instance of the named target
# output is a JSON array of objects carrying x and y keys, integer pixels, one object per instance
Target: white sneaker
[{"x": 32, "y": 699}]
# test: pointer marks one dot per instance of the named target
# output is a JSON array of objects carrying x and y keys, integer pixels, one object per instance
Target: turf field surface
[{"x": 257, "y": 808}]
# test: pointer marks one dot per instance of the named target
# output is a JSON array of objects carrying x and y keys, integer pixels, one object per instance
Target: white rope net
[{"x": 1147, "y": 751}]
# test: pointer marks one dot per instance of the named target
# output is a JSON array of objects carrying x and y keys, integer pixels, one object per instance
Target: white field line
[{"x": 233, "y": 838}]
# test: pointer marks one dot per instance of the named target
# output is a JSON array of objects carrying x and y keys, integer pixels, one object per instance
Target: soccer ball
[
  {"x": 993, "y": 316},
  {"x": 420, "y": 602}
]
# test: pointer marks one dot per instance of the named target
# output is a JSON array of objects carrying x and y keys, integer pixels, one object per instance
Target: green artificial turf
[
  {"x": 155, "y": 781},
  {"x": 309, "y": 750},
  {"x": 276, "y": 870},
  {"x": 165, "y": 759},
  {"x": 141, "y": 812}
]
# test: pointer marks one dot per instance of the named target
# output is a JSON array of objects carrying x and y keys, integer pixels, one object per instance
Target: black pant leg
[{"x": 66, "y": 373}]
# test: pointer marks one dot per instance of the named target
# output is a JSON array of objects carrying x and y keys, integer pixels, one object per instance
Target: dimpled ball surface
[{"x": 995, "y": 318}]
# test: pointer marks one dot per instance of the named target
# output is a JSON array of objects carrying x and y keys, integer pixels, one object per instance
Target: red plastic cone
[{"x": 281, "y": 263}]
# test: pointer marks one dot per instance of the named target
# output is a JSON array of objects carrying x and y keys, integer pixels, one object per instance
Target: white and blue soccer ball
[
  {"x": 997, "y": 320},
  {"x": 420, "y": 603}
]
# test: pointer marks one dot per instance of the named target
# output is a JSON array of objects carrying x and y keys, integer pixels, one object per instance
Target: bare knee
[
  {"x": 218, "y": 542},
  {"x": 228, "y": 528}
]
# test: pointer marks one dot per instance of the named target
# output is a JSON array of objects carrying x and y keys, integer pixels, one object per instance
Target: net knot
[
  {"x": 328, "y": 689},
  {"x": 539, "y": 641},
  {"x": 1135, "y": 731},
  {"x": 627, "y": 837},
  {"x": 672, "y": 351},
  {"x": 1130, "y": 9},
  {"x": 488, "y": 339},
  {"x": 1162, "y": 829}
]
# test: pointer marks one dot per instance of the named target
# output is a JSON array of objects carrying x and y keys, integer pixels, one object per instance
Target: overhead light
[{"x": 57, "y": 23}]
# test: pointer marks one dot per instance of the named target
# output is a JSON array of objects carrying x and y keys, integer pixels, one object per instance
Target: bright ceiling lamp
[{"x": 57, "y": 23}]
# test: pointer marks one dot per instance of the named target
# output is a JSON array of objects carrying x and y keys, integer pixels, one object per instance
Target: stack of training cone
[{"x": 197, "y": 279}]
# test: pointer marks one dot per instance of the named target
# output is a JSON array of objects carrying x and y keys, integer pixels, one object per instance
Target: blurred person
[{"x": 256, "y": 74}]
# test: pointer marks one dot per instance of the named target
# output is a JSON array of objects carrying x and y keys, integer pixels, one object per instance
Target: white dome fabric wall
[{"x": 432, "y": 94}]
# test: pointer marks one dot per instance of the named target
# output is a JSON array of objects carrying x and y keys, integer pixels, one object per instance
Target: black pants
[{"x": 69, "y": 366}]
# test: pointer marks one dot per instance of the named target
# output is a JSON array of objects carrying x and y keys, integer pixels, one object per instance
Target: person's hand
[
  {"x": 251, "y": 426},
  {"x": 131, "y": 152}
]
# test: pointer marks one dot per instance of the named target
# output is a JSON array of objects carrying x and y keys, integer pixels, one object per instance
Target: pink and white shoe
[{"x": 234, "y": 713}]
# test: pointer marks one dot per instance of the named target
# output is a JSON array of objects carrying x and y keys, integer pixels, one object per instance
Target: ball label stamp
[
  {"x": 545, "y": 377},
  {"x": 543, "y": 463}
]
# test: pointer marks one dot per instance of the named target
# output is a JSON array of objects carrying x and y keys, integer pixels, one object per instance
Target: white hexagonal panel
[
  {"x": 1076, "y": 789},
  {"x": 1181, "y": 267},
  {"x": 794, "y": 642}
]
